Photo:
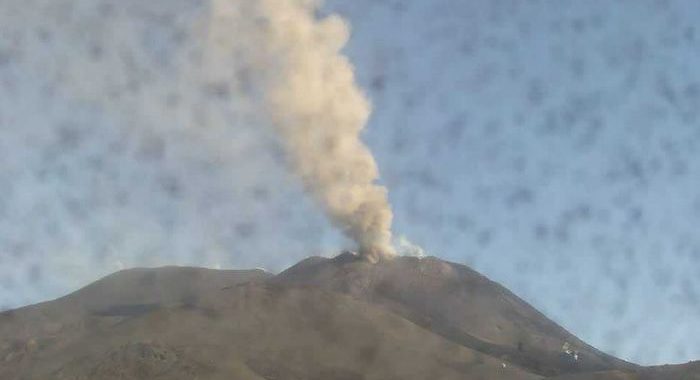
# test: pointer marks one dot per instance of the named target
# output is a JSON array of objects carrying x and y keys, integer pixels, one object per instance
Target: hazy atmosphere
[{"x": 550, "y": 145}]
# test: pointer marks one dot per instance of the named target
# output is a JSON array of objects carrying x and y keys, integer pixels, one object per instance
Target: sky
[{"x": 550, "y": 145}]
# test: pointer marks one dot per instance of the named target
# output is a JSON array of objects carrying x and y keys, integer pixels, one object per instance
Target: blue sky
[{"x": 551, "y": 145}]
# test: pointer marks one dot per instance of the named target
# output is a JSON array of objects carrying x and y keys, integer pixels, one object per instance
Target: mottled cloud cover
[{"x": 550, "y": 145}]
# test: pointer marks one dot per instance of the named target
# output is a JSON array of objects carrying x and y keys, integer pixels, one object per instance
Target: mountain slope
[
  {"x": 323, "y": 319},
  {"x": 460, "y": 305},
  {"x": 247, "y": 330}
]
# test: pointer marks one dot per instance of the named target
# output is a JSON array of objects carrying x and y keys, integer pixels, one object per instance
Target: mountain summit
[{"x": 322, "y": 319}]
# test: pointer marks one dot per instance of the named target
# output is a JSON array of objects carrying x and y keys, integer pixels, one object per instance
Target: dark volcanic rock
[
  {"x": 323, "y": 319},
  {"x": 459, "y": 304}
]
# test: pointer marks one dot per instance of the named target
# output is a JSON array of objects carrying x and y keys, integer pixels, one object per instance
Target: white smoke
[
  {"x": 309, "y": 91},
  {"x": 405, "y": 247}
]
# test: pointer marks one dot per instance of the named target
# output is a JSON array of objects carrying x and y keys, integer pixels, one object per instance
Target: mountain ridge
[{"x": 323, "y": 318}]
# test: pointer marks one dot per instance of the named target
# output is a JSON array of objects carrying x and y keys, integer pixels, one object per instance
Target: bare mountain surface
[
  {"x": 323, "y": 319},
  {"x": 123, "y": 294},
  {"x": 689, "y": 371},
  {"x": 604, "y": 375},
  {"x": 459, "y": 304}
]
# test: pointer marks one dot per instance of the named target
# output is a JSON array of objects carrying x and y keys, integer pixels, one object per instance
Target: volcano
[{"x": 323, "y": 319}]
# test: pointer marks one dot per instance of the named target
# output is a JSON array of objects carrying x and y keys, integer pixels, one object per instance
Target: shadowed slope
[
  {"x": 252, "y": 330},
  {"x": 459, "y": 304},
  {"x": 689, "y": 371},
  {"x": 323, "y": 319}
]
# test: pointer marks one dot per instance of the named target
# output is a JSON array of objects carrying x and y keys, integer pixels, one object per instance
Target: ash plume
[{"x": 319, "y": 113}]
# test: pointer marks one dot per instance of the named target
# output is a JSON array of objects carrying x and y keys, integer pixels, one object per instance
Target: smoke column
[{"x": 319, "y": 112}]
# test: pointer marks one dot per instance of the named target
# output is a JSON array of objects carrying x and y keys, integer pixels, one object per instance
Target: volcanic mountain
[{"x": 322, "y": 319}]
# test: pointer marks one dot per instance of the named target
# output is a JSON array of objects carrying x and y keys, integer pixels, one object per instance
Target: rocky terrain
[{"x": 322, "y": 319}]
